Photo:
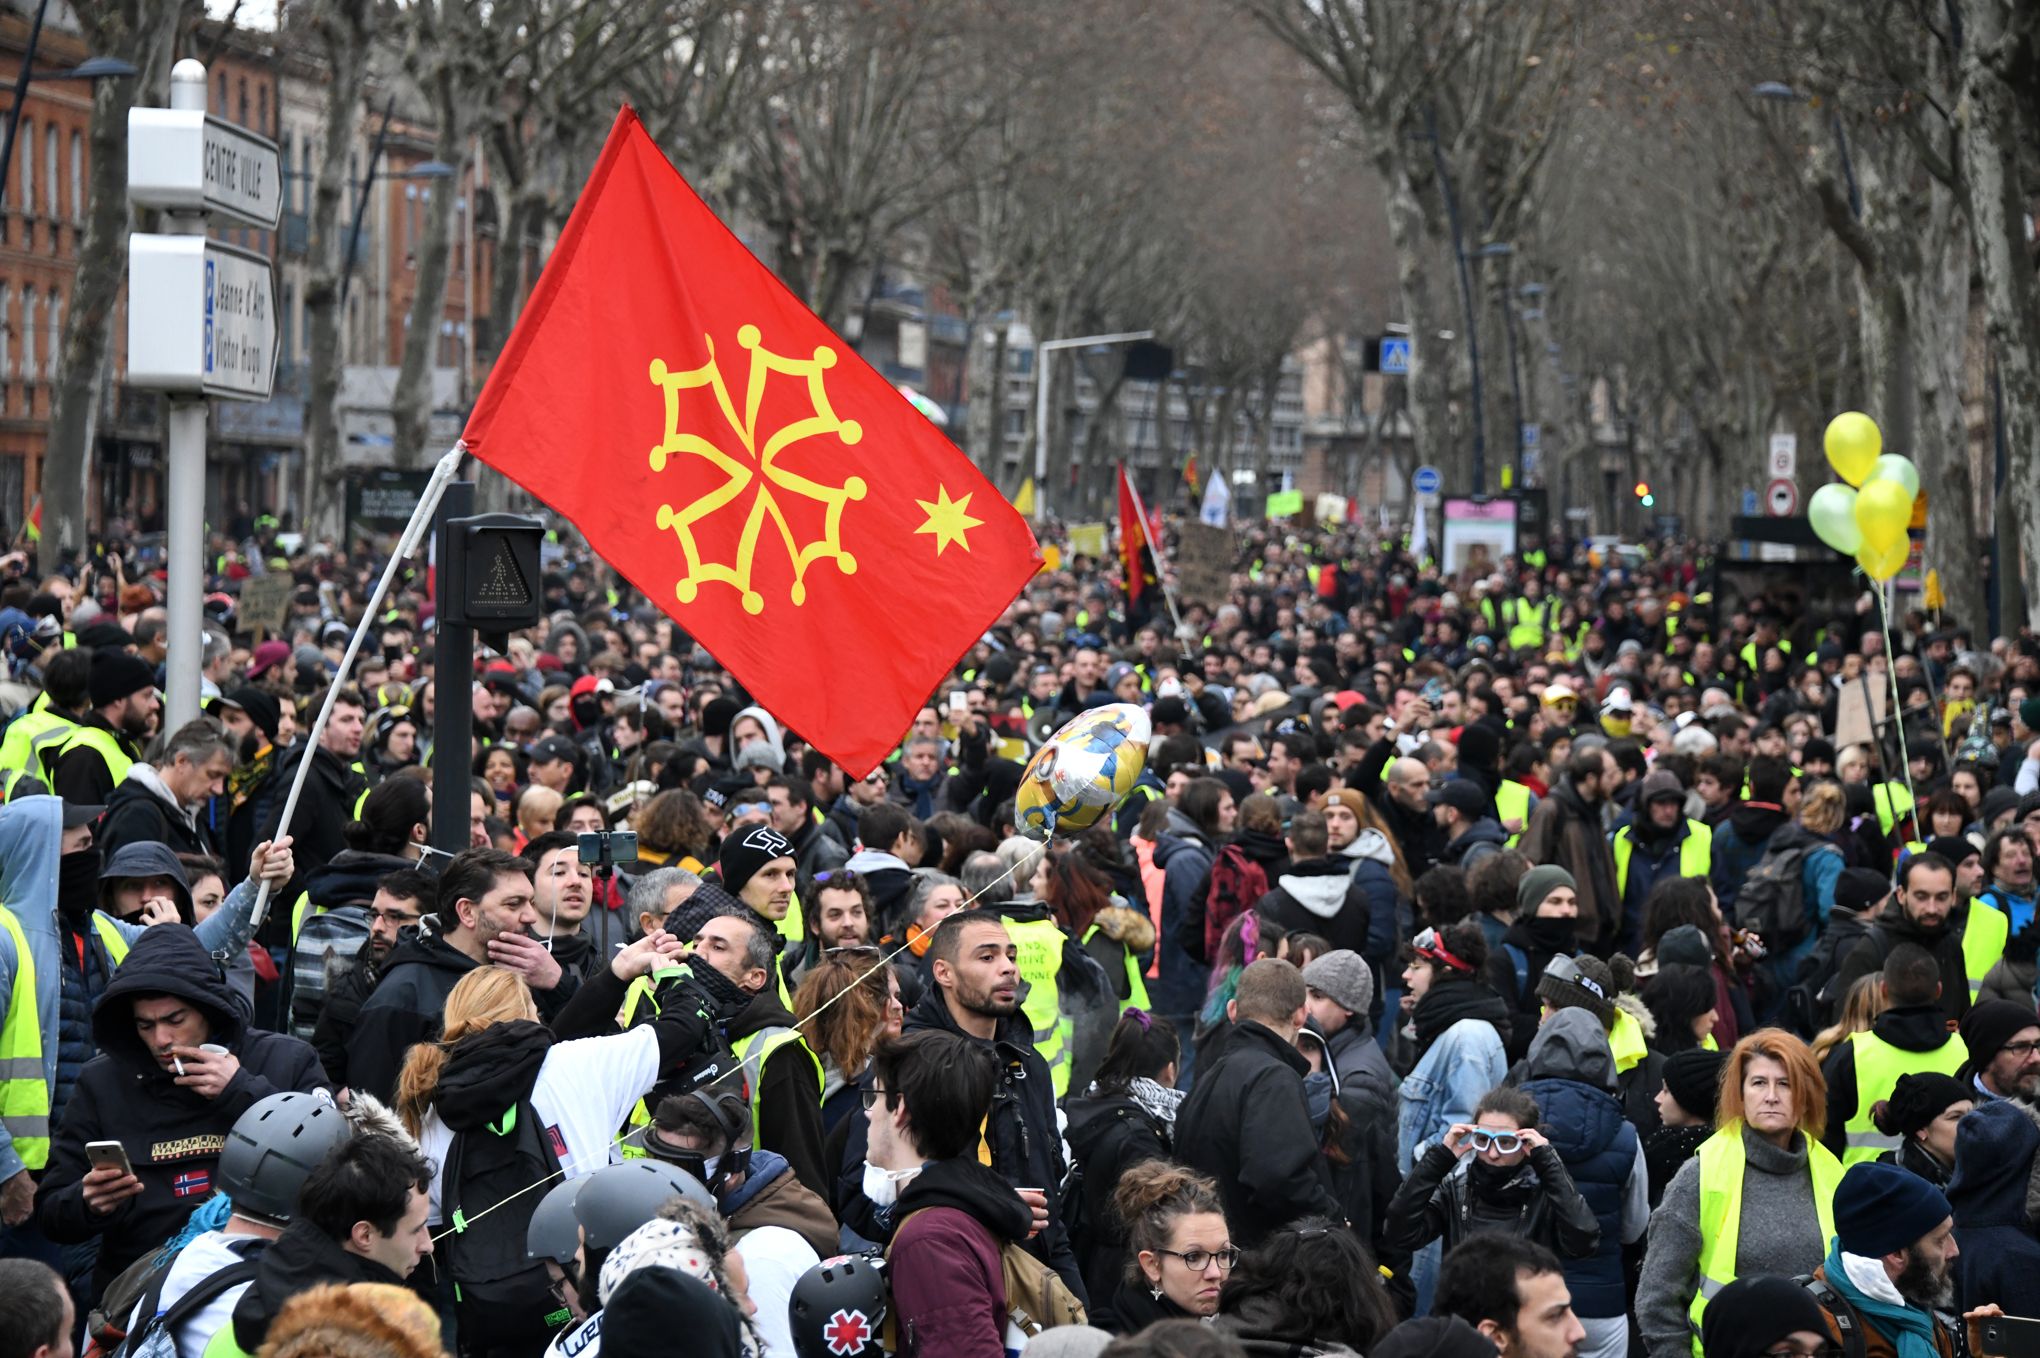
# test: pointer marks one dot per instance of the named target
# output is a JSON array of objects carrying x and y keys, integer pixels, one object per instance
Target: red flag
[
  {"x": 1190, "y": 473},
  {"x": 1132, "y": 536},
  {"x": 742, "y": 466}
]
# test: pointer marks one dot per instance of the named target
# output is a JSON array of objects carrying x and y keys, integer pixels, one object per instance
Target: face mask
[
  {"x": 883, "y": 1186},
  {"x": 78, "y": 883}
]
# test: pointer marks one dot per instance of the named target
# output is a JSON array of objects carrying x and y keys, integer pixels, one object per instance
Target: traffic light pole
[{"x": 453, "y": 709}]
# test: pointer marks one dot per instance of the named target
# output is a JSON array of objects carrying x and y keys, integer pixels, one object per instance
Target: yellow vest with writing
[
  {"x": 1040, "y": 945},
  {"x": 1723, "y": 1159}
]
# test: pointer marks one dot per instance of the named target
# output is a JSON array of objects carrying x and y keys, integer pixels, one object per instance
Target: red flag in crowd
[
  {"x": 1132, "y": 536},
  {"x": 741, "y": 465}
]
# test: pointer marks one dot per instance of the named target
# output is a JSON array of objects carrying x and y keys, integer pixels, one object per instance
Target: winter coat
[
  {"x": 1995, "y": 1199},
  {"x": 1564, "y": 830},
  {"x": 143, "y": 859},
  {"x": 142, "y": 810},
  {"x": 1666, "y": 1149},
  {"x": 1133, "y": 1309},
  {"x": 948, "y": 1285},
  {"x": 81, "y": 776},
  {"x": 1513, "y": 970},
  {"x": 173, "y": 1135},
  {"x": 1184, "y": 856},
  {"x": 332, "y": 790},
  {"x": 1417, "y": 832},
  {"x": 816, "y": 851},
  {"x": 1246, "y": 1124},
  {"x": 1108, "y": 1134},
  {"x": 1356, "y": 1076},
  {"x": 302, "y": 1258},
  {"x": 1919, "y": 1028},
  {"x": 1443, "y": 1200},
  {"x": 1572, "y": 1077},
  {"x": 31, "y": 835},
  {"x": 1461, "y": 1063},
  {"x": 1349, "y": 898},
  {"x": 1739, "y": 843},
  {"x": 1891, "y": 927},
  {"x": 1482, "y": 839},
  {"x": 772, "y": 1196}
]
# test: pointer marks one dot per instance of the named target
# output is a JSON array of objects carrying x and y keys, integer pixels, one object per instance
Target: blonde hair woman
[{"x": 1860, "y": 1008}]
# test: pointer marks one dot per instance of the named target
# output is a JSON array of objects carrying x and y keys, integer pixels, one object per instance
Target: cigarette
[{"x": 178, "y": 1063}]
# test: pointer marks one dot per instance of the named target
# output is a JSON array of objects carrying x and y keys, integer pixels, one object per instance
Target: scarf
[
  {"x": 922, "y": 792},
  {"x": 1447, "y": 1002},
  {"x": 1158, "y": 1101},
  {"x": 1862, "y": 1283}
]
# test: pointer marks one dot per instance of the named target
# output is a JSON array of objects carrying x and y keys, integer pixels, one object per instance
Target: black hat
[
  {"x": 1743, "y": 1320},
  {"x": 1917, "y": 1100},
  {"x": 1434, "y": 1337},
  {"x": 653, "y": 1304},
  {"x": 1954, "y": 848},
  {"x": 1988, "y": 1026},
  {"x": 262, "y": 708},
  {"x": 117, "y": 675},
  {"x": 744, "y": 854},
  {"x": 105, "y": 636},
  {"x": 555, "y": 748},
  {"x": 1693, "y": 1078},
  {"x": 1818, "y": 748},
  {"x": 1860, "y": 888},
  {"x": 717, "y": 714},
  {"x": 1171, "y": 710},
  {"x": 79, "y": 813},
  {"x": 1461, "y": 794}
]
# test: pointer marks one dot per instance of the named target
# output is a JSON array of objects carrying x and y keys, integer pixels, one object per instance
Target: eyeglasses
[
  {"x": 870, "y": 1097},
  {"x": 1501, "y": 1143},
  {"x": 1197, "y": 1260},
  {"x": 2020, "y": 1048}
]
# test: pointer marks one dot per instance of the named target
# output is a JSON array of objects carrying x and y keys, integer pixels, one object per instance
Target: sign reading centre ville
[{"x": 188, "y": 160}]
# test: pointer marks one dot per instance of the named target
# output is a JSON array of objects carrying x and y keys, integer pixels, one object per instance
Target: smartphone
[
  {"x": 959, "y": 703},
  {"x": 2009, "y": 1337},
  {"x": 606, "y": 847},
  {"x": 102, "y": 1153}
]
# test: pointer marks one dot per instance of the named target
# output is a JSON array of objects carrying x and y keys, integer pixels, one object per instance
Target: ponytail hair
[
  {"x": 1143, "y": 1045},
  {"x": 388, "y": 815},
  {"x": 484, "y": 997}
]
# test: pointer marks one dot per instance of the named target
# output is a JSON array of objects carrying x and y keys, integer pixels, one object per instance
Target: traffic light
[
  {"x": 1643, "y": 494},
  {"x": 492, "y": 578}
]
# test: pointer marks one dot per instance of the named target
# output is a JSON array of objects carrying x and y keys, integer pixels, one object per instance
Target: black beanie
[
  {"x": 1917, "y": 1100},
  {"x": 1749, "y": 1315},
  {"x": 1478, "y": 746},
  {"x": 1694, "y": 1079},
  {"x": 116, "y": 675},
  {"x": 1988, "y": 1026},
  {"x": 717, "y": 715},
  {"x": 743, "y": 854}
]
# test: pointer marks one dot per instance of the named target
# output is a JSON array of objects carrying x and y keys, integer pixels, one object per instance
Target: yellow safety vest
[
  {"x": 755, "y": 1050},
  {"x": 1512, "y": 802},
  {"x": 1722, "y": 1161},
  {"x": 1878, "y": 1066},
  {"x": 93, "y": 738},
  {"x": 24, "y": 1086},
  {"x": 1527, "y": 623},
  {"x": 1894, "y": 804},
  {"x": 1040, "y": 943},
  {"x": 1983, "y": 943},
  {"x": 33, "y": 739},
  {"x": 1696, "y": 853},
  {"x": 1626, "y": 1041},
  {"x": 1136, "y": 984}
]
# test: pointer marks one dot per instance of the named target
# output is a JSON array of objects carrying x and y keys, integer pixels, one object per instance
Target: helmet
[
  {"x": 274, "y": 1147},
  {"x": 838, "y": 1308},
  {"x": 617, "y": 1199},
  {"x": 554, "y": 1232}
]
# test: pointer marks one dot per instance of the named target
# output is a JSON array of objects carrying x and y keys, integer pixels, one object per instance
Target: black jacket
[
  {"x": 789, "y": 1096},
  {"x": 1108, "y": 1135},
  {"x": 1891, "y": 927},
  {"x": 325, "y": 806},
  {"x": 173, "y": 1135},
  {"x": 81, "y": 775},
  {"x": 135, "y": 814},
  {"x": 300, "y": 1259},
  {"x": 1538, "y": 940},
  {"x": 1246, "y": 1124},
  {"x": 1536, "y": 1201}
]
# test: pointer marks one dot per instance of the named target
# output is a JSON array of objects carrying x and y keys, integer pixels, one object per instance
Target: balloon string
[
  {"x": 624, "y": 1136},
  {"x": 1885, "y": 590}
]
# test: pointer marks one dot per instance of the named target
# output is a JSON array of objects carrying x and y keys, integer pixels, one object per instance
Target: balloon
[
  {"x": 1832, "y": 512},
  {"x": 1853, "y": 442},
  {"x": 1893, "y": 467},
  {"x": 1883, "y": 509},
  {"x": 1083, "y": 771},
  {"x": 1881, "y": 561}
]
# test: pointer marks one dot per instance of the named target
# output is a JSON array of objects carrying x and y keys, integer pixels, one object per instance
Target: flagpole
[
  {"x": 1161, "y": 554},
  {"x": 421, "y": 517}
]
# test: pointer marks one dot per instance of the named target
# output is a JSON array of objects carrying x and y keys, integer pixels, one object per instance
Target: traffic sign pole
[{"x": 185, "y": 519}]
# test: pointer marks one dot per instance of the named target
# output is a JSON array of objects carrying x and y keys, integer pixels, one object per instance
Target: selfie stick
[{"x": 428, "y": 504}]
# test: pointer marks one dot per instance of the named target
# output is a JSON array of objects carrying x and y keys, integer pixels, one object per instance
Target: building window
[
  {"x": 27, "y": 171},
  {"x": 78, "y": 178},
  {"x": 52, "y": 164},
  {"x": 284, "y": 323}
]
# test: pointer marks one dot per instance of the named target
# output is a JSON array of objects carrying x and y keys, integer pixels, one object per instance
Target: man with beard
[
  {"x": 1662, "y": 842},
  {"x": 2003, "y": 1039},
  {"x": 401, "y": 899},
  {"x": 333, "y": 790},
  {"x": 1922, "y": 912},
  {"x": 107, "y": 741},
  {"x": 563, "y": 891},
  {"x": 1891, "y": 1264},
  {"x": 1565, "y": 830}
]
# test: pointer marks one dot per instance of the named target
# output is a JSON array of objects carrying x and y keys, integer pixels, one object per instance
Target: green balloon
[
  {"x": 1832, "y": 512},
  {"x": 1894, "y": 467}
]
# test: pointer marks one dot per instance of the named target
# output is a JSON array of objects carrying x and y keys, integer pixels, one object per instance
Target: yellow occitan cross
[{"x": 947, "y": 520}]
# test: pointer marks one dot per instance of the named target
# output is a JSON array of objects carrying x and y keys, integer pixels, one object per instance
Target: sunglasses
[{"x": 1502, "y": 1143}]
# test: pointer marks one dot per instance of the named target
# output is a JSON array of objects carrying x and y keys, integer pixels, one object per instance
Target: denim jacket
[{"x": 1463, "y": 1064}]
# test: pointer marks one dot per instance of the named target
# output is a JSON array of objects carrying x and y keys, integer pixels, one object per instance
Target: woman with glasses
[
  {"x": 1757, "y": 1199},
  {"x": 1309, "y": 1288},
  {"x": 1179, "y": 1252},
  {"x": 1497, "y": 1173}
]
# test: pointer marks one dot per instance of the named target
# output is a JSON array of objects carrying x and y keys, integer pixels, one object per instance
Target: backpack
[
  {"x": 329, "y": 942},
  {"x": 1037, "y": 1298},
  {"x": 1237, "y": 881},
  {"x": 1772, "y": 903},
  {"x": 501, "y": 1296},
  {"x": 156, "y": 1336}
]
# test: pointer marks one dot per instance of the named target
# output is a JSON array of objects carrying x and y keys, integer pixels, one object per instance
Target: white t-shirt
[
  {"x": 774, "y": 1260},
  {"x": 585, "y": 1090},
  {"x": 577, "y": 1341},
  {"x": 202, "y": 1257}
]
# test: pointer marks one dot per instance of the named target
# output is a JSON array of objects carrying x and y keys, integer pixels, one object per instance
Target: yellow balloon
[
  {"x": 1883, "y": 509},
  {"x": 1082, "y": 771},
  {"x": 1882, "y": 561},
  {"x": 1853, "y": 443}
]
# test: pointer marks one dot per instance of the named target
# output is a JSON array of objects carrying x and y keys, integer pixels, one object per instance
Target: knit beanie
[
  {"x": 1685, "y": 946},
  {"x": 1694, "y": 1079},
  {"x": 744, "y": 853},
  {"x": 116, "y": 675},
  {"x": 708, "y": 901},
  {"x": 1582, "y": 982},
  {"x": 1860, "y": 888},
  {"x": 1917, "y": 1100},
  {"x": 1880, "y": 1209},
  {"x": 1988, "y": 1026},
  {"x": 1751, "y": 1314},
  {"x": 1954, "y": 848},
  {"x": 1540, "y": 882},
  {"x": 1343, "y": 977},
  {"x": 717, "y": 714},
  {"x": 2029, "y": 714}
]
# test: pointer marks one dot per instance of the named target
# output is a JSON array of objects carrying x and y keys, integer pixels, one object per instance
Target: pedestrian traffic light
[
  {"x": 492, "y": 573},
  {"x": 1643, "y": 494}
]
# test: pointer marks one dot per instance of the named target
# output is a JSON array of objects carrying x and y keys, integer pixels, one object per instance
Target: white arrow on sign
[
  {"x": 201, "y": 318},
  {"x": 191, "y": 161}
]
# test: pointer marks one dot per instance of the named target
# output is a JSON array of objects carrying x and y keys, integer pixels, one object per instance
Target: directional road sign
[
  {"x": 201, "y": 318},
  {"x": 1426, "y": 481},
  {"x": 1395, "y": 355},
  {"x": 191, "y": 161}
]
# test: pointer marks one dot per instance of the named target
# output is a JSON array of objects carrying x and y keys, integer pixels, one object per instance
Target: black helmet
[
  {"x": 554, "y": 1232},
  {"x": 274, "y": 1147},
  {"x": 837, "y": 1309},
  {"x": 617, "y": 1199}
]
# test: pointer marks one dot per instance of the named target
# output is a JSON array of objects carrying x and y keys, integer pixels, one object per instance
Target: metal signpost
[{"x": 201, "y": 315}]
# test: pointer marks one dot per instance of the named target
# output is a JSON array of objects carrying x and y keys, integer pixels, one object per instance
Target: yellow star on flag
[{"x": 947, "y": 520}]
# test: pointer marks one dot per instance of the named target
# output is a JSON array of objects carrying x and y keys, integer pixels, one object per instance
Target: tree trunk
[
  {"x": 516, "y": 229},
  {"x": 411, "y": 403},
  {"x": 344, "y": 28},
  {"x": 1417, "y": 248},
  {"x": 95, "y": 287},
  {"x": 1940, "y": 309}
]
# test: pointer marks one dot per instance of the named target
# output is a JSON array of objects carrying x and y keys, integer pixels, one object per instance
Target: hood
[
  {"x": 765, "y": 1010},
  {"x": 1572, "y": 1045},
  {"x": 300, "y": 1259},
  {"x": 1261, "y": 846},
  {"x": 1756, "y": 824},
  {"x": 148, "y": 858},
  {"x": 428, "y": 950},
  {"x": 1372, "y": 847},
  {"x": 773, "y": 735},
  {"x": 31, "y": 835},
  {"x": 1486, "y": 830},
  {"x": 350, "y": 877},
  {"x": 1318, "y": 884},
  {"x": 167, "y": 959},
  {"x": 1994, "y": 1149},
  {"x": 1916, "y": 1028},
  {"x": 1182, "y": 827},
  {"x": 148, "y": 782},
  {"x": 867, "y": 861},
  {"x": 490, "y": 1071},
  {"x": 973, "y": 1189},
  {"x": 772, "y": 1196}
]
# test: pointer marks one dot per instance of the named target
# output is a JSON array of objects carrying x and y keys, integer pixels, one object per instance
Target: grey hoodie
[{"x": 1571, "y": 1045}]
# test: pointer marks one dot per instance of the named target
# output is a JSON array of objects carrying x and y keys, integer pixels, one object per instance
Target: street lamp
[
  {"x": 92, "y": 68},
  {"x": 1779, "y": 92},
  {"x": 1042, "y": 350},
  {"x": 431, "y": 169}
]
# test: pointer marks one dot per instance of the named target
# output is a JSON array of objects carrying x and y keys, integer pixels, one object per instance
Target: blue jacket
[
  {"x": 1184, "y": 856},
  {"x": 1446, "y": 1086},
  {"x": 2000, "y": 1259},
  {"x": 31, "y": 838},
  {"x": 1570, "y": 1073}
]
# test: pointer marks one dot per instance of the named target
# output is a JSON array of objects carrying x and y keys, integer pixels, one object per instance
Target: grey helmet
[
  {"x": 554, "y": 1232},
  {"x": 617, "y": 1199},
  {"x": 274, "y": 1147}
]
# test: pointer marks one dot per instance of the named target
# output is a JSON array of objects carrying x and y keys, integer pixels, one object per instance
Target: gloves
[{"x": 700, "y": 987}]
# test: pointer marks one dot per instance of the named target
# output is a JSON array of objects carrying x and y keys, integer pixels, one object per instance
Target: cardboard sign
[
  {"x": 1858, "y": 710},
  {"x": 1204, "y": 564},
  {"x": 1087, "y": 539},
  {"x": 265, "y": 602}
]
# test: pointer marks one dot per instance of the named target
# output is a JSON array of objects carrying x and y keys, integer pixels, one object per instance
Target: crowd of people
[{"x": 1548, "y": 958}]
